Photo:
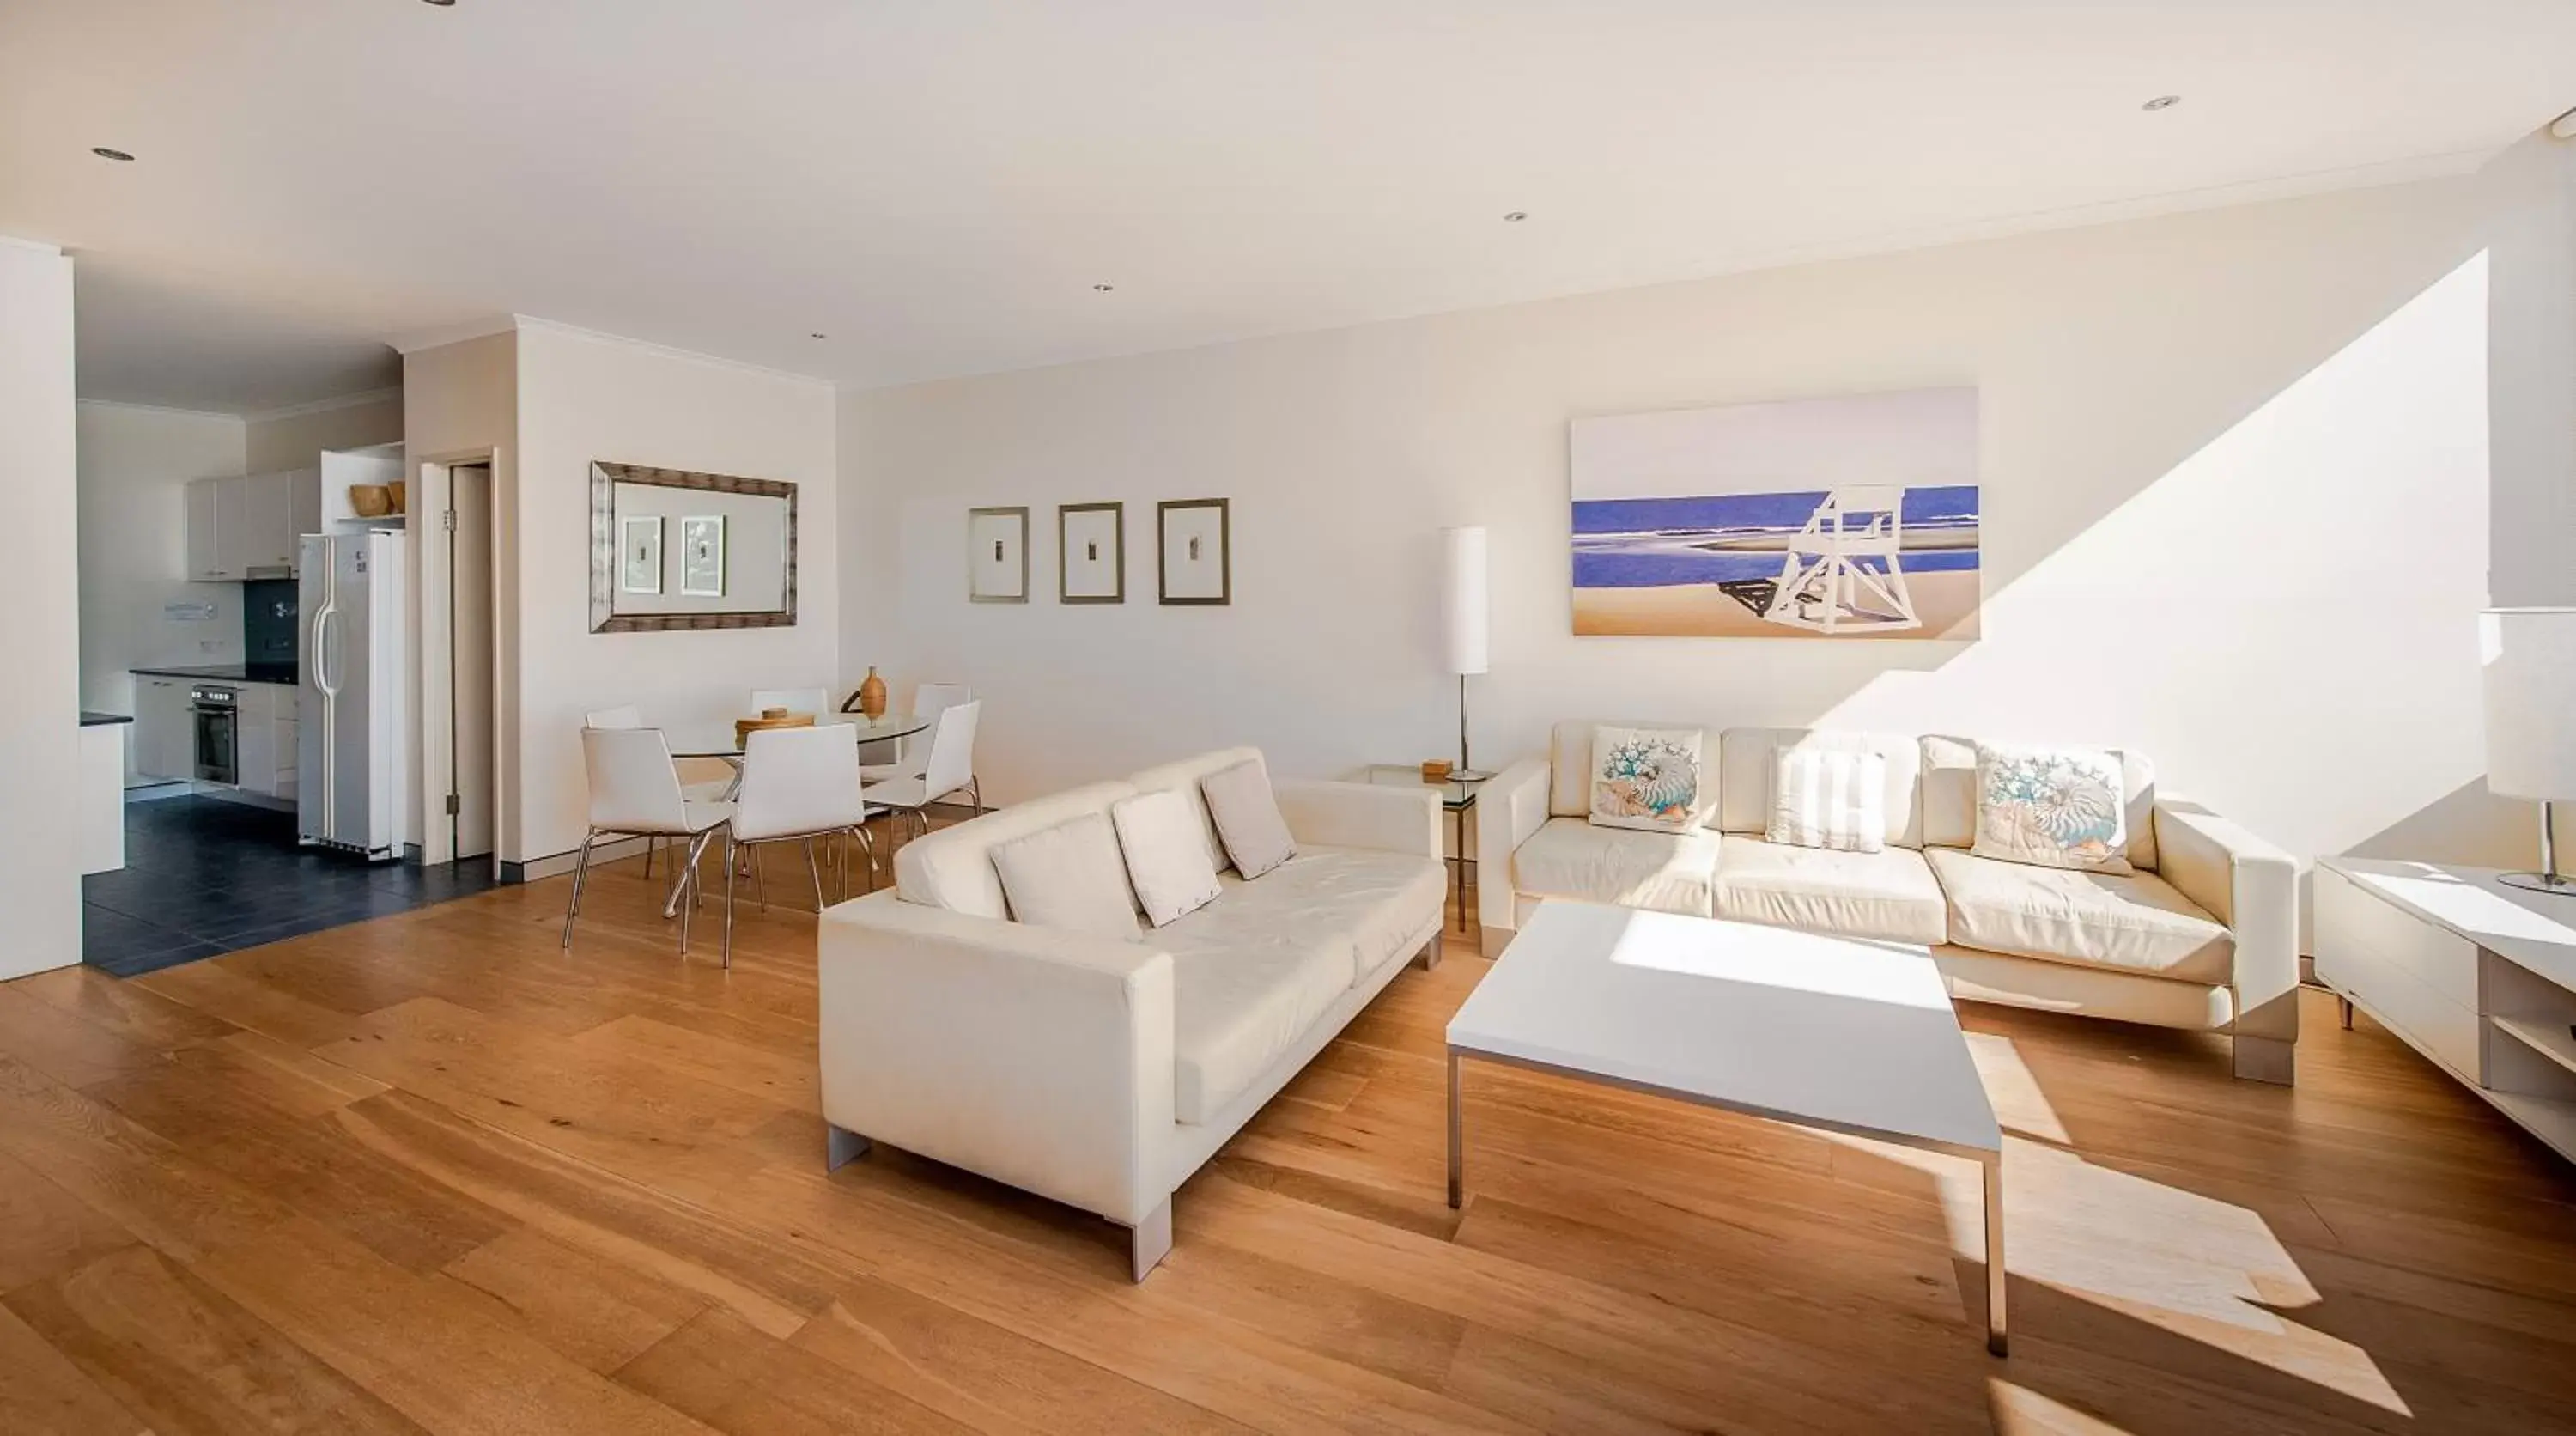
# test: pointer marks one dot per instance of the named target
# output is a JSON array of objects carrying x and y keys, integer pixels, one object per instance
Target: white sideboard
[{"x": 2477, "y": 976}]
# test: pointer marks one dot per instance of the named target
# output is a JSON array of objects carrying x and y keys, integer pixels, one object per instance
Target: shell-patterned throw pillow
[
  {"x": 1645, "y": 778},
  {"x": 2052, "y": 808}
]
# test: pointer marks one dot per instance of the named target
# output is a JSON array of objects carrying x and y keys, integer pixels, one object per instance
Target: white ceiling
[{"x": 938, "y": 184}]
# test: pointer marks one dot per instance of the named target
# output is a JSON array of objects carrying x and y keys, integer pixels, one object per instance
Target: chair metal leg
[
  {"x": 759, "y": 881},
  {"x": 868, "y": 848},
  {"x": 729, "y": 882},
  {"x": 649, "y": 845},
  {"x": 816, "y": 874},
  {"x": 975, "y": 791},
  {"x": 580, "y": 873}
]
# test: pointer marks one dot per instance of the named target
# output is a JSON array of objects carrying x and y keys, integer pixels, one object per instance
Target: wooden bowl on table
[{"x": 769, "y": 718}]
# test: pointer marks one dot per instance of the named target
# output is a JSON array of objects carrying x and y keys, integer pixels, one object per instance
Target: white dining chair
[
  {"x": 930, "y": 700},
  {"x": 949, "y": 767},
  {"x": 627, "y": 715},
  {"x": 635, "y": 793},
  {"x": 794, "y": 700},
  {"x": 798, "y": 784}
]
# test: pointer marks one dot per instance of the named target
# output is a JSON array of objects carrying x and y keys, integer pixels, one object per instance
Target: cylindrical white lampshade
[
  {"x": 1463, "y": 616},
  {"x": 2530, "y": 656}
]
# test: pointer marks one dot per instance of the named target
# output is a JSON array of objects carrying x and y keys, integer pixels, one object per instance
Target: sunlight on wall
[{"x": 2308, "y": 581}]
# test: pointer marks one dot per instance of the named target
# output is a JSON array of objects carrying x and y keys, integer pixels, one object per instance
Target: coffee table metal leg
[
  {"x": 1997, "y": 1339},
  {"x": 1457, "y": 1156}
]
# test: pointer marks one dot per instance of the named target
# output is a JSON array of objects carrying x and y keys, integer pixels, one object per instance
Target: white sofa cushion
[
  {"x": 1950, "y": 797},
  {"x": 1185, "y": 776},
  {"x": 1660, "y": 872},
  {"x": 1247, "y": 818},
  {"x": 1887, "y": 894},
  {"x": 2052, "y": 807},
  {"x": 1253, "y": 970},
  {"x": 1645, "y": 779},
  {"x": 952, "y": 868},
  {"x": 1069, "y": 876},
  {"x": 1822, "y": 799},
  {"x": 1569, "y": 761},
  {"x": 1746, "y": 758},
  {"x": 1165, "y": 853},
  {"x": 2132, "y": 923}
]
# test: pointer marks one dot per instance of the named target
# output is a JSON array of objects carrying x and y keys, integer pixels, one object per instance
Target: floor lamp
[
  {"x": 1464, "y": 623},
  {"x": 2530, "y": 658}
]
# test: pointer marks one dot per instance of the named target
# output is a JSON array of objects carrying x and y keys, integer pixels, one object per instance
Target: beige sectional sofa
[
  {"x": 2204, "y": 934},
  {"x": 1100, "y": 1072}
]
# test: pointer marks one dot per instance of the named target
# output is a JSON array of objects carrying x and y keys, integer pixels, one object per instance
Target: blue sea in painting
[{"x": 1725, "y": 538}]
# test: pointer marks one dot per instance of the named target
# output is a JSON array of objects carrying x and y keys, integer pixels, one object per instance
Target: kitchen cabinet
[
  {"x": 238, "y": 528},
  {"x": 165, "y": 734},
  {"x": 205, "y": 530},
  {"x": 254, "y": 740}
]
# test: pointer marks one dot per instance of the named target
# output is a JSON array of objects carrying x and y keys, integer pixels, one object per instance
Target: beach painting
[{"x": 1842, "y": 518}]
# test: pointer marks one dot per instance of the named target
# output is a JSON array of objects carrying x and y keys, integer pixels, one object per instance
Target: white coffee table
[{"x": 1837, "y": 1034}]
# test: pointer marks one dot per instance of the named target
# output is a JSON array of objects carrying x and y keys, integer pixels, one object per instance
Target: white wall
[
  {"x": 135, "y": 465},
  {"x": 585, "y": 397},
  {"x": 295, "y": 438},
  {"x": 461, "y": 401},
  {"x": 2235, "y": 511},
  {"x": 2530, "y": 194},
  {"x": 40, "y": 644}
]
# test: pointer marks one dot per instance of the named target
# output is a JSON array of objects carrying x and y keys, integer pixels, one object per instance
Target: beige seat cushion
[
  {"x": 1660, "y": 872},
  {"x": 1253, "y": 970},
  {"x": 1887, "y": 894},
  {"x": 2134, "y": 923}
]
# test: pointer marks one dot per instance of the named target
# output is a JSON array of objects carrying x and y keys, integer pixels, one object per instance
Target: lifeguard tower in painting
[{"x": 1843, "y": 573}]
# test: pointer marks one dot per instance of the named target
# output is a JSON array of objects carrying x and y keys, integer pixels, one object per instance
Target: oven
[{"x": 215, "y": 714}]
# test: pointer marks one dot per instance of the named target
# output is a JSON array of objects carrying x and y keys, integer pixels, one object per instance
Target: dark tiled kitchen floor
[{"x": 203, "y": 876}]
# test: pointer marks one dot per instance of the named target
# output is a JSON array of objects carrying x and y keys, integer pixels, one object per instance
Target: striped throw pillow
[{"x": 1827, "y": 798}]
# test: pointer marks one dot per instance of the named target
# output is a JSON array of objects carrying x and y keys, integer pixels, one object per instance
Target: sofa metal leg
[
  {"x": 2343, "y": 1010},
  {"x": 1431, "y": 953},
  {"x": 841, "y": 1147},
  {"x": 2266, "y": 1059},
  {"x": 1151, "y": 1239}
]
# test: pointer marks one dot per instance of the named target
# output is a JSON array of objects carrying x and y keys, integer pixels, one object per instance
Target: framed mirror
[{"x": 673, "y": 549}]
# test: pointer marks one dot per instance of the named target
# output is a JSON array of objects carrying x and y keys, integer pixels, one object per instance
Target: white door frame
[{"x": 435, "y": 492}]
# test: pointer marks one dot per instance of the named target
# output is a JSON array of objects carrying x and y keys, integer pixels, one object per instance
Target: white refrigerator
[{"x": 352, "y": 730}]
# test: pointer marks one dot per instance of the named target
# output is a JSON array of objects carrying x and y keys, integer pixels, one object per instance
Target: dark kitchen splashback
[{"x": 269, "y": 627}]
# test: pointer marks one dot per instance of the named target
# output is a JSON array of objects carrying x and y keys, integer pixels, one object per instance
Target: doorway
[{"x": 459, "y": 665}]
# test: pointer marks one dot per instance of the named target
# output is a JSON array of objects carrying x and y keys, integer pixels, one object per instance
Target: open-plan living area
[{"x": 1420, "y": 716}]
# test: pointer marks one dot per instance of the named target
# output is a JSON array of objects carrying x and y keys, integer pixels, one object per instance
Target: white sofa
[
  {"x": 1100, "y": 1072},
  {"x": 2203, "y": 936}
]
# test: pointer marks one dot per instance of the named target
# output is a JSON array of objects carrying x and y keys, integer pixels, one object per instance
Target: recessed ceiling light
[
  {"x": 1516, "y": 216},
  {"x": 1104, "y": 288},
  {"x": 2162, "y": 102},
  {"x": 103, "y": 152}
]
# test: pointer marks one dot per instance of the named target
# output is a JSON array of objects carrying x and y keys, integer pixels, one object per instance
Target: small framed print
[
  {"x": 1091, "y": 552},
  {"x": 1196, "y": 567},
  {"x": 997, "y": 555},
  {"x": 639, "y": 554},
  {"x": 702, "y": 556}
]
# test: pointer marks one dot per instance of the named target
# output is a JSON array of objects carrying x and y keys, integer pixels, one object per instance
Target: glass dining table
[{"x": 716, "y": 740}]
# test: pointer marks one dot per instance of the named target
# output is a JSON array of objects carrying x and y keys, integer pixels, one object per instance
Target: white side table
[{"x": 2477, "y": 976}]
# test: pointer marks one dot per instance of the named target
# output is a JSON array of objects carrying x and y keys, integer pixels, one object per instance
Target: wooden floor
[{"x": 432, "y": 1173}]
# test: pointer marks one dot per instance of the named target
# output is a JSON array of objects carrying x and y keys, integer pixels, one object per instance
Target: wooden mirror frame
[{"x": 604, "y": 617}]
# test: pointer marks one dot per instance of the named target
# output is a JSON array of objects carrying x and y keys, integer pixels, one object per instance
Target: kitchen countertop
[
  {"x": 279, "y": 673},
  {"x": 101, "y": 720}
]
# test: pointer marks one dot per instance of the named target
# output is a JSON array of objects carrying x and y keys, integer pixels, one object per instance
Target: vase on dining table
[{"x": 872, "y": 695}]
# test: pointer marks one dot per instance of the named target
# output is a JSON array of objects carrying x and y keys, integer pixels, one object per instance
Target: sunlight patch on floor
[{"x": 2203, "y": 1270}]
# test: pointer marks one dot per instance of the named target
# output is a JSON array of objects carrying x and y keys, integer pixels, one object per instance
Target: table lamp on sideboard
[
  {"x": 2530, "y": 660},
  {"x": 1464, "y": 621}
]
